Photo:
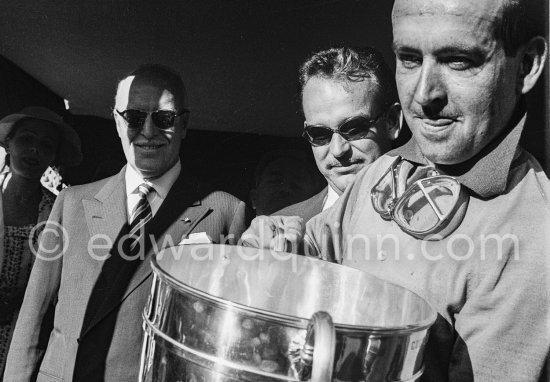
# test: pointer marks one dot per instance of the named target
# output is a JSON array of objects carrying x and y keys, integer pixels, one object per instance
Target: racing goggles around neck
[
  {"x": 352, "y": 129},
  {"x": 428, "y": 206},
  {"x": 163, "y": 119}
]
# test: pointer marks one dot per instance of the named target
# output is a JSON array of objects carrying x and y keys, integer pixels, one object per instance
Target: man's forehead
[
  {"x": 135, "y": 88},
  {"x": 356, "y": 90},
  {"x": 482, "y": 9}
]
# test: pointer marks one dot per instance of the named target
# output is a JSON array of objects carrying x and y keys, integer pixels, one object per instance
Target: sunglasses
[
  {"x": 430, "y": 207},
  {"x": 163, "y": 119},
  {"x": 352, "y": 129}
]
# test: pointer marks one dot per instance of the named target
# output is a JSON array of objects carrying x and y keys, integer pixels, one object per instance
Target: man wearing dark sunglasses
[
  {"x": 92, "y": 268},
  {"x": 348, "y": 97},
  {"x": 461, "y": 213}
]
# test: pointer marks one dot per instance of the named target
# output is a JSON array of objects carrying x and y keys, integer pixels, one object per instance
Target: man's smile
[
  {"x": 149, "y": 146},
  {"x": 346, "y": 167}
]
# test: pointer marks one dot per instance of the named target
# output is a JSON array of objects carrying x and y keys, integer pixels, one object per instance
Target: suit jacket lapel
[
  {"x": 319, "y": 200},
  {"x": 315, "y": 205},
  {"x": 180, "y": 212},
  {"x": 106, "y": 218},
  {"x": 106, "y": 213}
]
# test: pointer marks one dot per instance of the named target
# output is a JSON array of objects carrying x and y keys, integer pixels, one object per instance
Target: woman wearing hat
[{"x": 34, "y": 139}]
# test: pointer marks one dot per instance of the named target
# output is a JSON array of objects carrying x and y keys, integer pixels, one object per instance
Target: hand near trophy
[{"x": 278, "y": 233}]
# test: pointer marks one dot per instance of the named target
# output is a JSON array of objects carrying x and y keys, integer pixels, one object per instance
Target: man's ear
[
  {"x": 119, "y": 129},
  {"x": 394, "y": 121},
  {"x": 185, "y": 118},
  {"x": 532, "y": 63}
]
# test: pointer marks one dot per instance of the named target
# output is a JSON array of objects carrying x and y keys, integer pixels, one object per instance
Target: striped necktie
[{"x": 141, "y": 215}]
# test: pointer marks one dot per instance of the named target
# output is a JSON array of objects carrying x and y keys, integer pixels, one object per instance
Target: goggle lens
[
  {"x": 427, "y": 203},
  {"x": 382, "y": 196}
]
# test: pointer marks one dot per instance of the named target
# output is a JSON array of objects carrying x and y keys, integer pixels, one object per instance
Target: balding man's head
[
  {"x": 515, "y": 22},
  {"x": 160, "y": 76},
  {"x": 460, "y": 87},
  {"x": 151, "y": 117}
]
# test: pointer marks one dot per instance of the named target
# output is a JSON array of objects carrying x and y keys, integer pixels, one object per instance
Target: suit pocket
[{"x": 44, "y": 376}]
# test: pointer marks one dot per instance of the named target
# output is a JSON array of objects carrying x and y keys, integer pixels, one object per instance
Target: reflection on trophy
[{"x": 227, "y": 313}]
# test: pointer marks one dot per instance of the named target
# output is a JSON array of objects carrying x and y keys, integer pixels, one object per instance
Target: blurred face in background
[
  {"x": 283, "y": 181},
  {"x": 330, "y": 102},
  {"x": 32, "y": 147}
]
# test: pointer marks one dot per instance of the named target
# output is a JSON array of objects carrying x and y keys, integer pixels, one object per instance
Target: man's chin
[
  {"x": 150, "y": 170},
  {"x": 452, "y": 150},
  {"x": 340, "y": 183},
  {"x": 444, "y": 155}
]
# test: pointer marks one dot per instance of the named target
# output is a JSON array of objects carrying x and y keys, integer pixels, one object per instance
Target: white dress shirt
[
  {"x": 155, "y": 198},
  {"x": 331, "y": 198}
]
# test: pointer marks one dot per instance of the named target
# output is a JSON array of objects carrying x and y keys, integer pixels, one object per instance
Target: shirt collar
[
  {"x": 331, "y": 198},
  {"x": 486, "y": 174},
  {"x": 161, "y": 184}
]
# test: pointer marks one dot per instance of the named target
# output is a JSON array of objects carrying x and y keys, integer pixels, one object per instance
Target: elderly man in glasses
[
  {"x": 91, "y": 277},
  {"x": 348, "y": 97},
  {"x": 461, "y": 213}
]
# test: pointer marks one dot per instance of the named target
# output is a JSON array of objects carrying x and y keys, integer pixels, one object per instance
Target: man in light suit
[
  {"x": 345, "y": 88},
  {"x": 88, "y": 273}
]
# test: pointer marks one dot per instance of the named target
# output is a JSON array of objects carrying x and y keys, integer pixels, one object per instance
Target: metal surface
[{"x": 228, "y": 313}]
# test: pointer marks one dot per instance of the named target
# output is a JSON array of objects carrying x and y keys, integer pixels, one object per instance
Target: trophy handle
[{"x": 319, "y": 347}]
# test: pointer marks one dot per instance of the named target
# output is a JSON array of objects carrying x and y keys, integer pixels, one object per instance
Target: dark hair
[
  {"x": 351, "y": 65},
  {"x": 521, "y": 21},
  {"x": 164, "y": 75}
]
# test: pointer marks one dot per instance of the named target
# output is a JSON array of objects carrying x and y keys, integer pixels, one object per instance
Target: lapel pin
[{"x": 187, "y": 220}]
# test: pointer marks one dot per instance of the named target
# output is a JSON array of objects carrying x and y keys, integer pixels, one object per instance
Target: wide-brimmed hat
[{"x": 68, "y": 153}]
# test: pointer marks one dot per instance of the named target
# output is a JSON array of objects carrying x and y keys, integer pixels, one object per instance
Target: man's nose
[
  {"x": 430, "y": 88},
  {"x": 338, "y": 145},
  {"x": 149, "y": 128}
]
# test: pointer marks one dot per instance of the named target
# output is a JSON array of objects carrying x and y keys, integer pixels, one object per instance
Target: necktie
[{"x": 141, "y": 215}]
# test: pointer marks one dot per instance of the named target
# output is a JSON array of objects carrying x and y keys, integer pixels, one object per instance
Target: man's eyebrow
[
  {"x": 450, "y": 50},
  {"x": 403, "y": 48},
  {"x": 474, "y": 52}
]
